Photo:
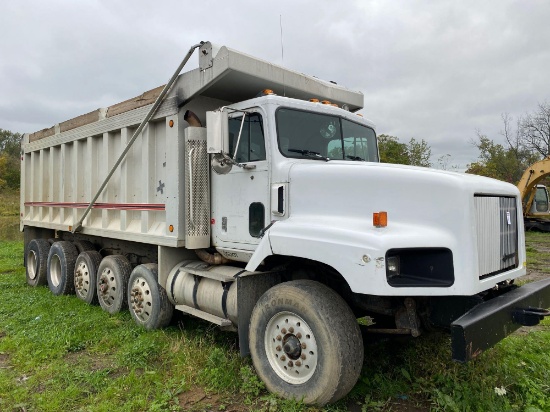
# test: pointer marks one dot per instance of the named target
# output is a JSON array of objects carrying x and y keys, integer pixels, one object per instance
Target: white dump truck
[{"x": 252, "y": 196}]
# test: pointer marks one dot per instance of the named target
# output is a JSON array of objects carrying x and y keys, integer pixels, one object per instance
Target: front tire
[
  {"x": 147, "y": 300},
  {"x": 112, "y": 283},
  {"x": 61, "y": 260},
  {"x": 37, "y": 262},
  {"x": 305, "y": 342}
]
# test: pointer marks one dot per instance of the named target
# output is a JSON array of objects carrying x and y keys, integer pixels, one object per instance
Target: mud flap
[
  {"x": 490, "y": 322},
  {"x": 249, "y": 289}
]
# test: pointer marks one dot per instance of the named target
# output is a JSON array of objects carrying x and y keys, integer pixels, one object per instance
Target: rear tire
[
  {"x": 112, "y": 283},
  {"x": 37, "y": 262},
  {"x": 305, "y": 342},
  {"x": 85, "y": 276},
  {"x": 61, "y": 260},
  {"x": 147, "y": 300}
]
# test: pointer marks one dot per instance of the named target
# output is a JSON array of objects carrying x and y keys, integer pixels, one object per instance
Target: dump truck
[{"x": 252, "y": 196}]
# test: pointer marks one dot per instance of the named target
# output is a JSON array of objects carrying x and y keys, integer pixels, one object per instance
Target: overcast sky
[{"x": 433, "y": 70}]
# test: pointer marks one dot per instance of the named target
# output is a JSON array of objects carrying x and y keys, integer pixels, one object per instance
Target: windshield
[{"x": 319, "y": 136}]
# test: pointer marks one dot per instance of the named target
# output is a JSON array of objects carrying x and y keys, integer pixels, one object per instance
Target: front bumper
[{"x": 490, "y": 322}]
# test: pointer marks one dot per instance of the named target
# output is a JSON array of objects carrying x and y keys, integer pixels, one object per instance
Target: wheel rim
[
  {"x": 141, "y": 299},
  {"x": 107, "y": 287},
  {"x": 32, "y": 264},
  {"x": 291, "y": 347},
  {"x": 55, "y": 270},
  {"x": 82, "y": 279}
]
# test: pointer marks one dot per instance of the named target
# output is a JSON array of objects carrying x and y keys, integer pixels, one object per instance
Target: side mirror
[{"x": 217, "y": 132}]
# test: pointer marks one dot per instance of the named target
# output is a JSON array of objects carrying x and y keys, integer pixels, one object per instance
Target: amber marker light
[
  {"x": 383, "y": 219},
  {"x": 171, "y": 123},
  {"x": 268, "y": 92},
  {"x": 380, "y": 219},
  {"x": 171, "y": 228},
  {"x": 326, "y": 102},
  {"x": 334, "y": 105},
  {"x": 314, "y": 100}
]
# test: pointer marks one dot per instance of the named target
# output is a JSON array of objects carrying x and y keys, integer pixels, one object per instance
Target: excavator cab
[{"x": 540, "y": 202}]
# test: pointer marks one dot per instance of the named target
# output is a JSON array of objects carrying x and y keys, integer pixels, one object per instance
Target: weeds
[{"x": 57, "y": 353}]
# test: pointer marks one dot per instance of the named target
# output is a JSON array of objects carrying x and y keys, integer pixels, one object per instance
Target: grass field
[
  {"x": 9, "y": 215},
  {"x": 59, "y": 354}
]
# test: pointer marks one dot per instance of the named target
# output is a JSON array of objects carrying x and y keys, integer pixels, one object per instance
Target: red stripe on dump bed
[{"x": 110, "y": 206}]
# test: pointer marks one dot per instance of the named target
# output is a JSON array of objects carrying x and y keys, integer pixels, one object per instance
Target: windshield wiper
[
  {"x": 309, "y": 153},
  {"x": 359, "y": 159}
]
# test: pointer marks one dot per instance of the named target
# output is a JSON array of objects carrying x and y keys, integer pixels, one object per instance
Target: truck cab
[{"x": 267, "y": 136}]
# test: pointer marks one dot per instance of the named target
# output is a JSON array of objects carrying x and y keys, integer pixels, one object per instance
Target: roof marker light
[{"x": 314, "y": 100}]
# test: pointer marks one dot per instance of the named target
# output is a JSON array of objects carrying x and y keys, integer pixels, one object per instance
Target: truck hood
[
  {"x": 330, "y": 220},
  {"x": 355, "y": 190}
]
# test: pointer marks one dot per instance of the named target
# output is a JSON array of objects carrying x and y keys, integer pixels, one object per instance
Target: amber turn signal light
[{"x": 380, "y": 219}]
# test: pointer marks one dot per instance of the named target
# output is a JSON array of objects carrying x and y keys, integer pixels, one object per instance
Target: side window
[
  {"x": 356, "y": 147},
  {"x": 541, "y": 199},
  {"x": 252, "y": 143},
  {"x": 359, "y": 141}
]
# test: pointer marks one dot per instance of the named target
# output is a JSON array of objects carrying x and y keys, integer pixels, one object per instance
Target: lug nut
[
  {"x": 303, "y": 356},
  {"x": 278, "y": 348},
  {"x": 290, "y": 364},
  {"x": 299, "y": 335},
  {"x": 303, "y": 345},
  {"x": 291, "y": 330},
  {"x": 283, "y": 330},
  {"x": 283, "y": 358},
  {"x": 279, "y": 337},
  {"x": 298, "y": 363}
]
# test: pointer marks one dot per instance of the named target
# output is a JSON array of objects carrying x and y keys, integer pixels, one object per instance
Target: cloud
[{"x": 431, "y": 70}]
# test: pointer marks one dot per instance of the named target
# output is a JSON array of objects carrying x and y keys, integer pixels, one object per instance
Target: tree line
[
  {"x": 10, "y": 165},
  {"x": 527, "y": 140}
]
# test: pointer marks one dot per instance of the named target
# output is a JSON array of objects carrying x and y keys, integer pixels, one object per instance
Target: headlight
[{"x": 392, "y": 266}]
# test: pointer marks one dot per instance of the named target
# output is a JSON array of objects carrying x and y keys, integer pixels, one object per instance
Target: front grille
[{"x": 497, "y": 234}]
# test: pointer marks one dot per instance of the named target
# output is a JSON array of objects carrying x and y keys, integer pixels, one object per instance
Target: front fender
[{"x": 355, "y": 250}]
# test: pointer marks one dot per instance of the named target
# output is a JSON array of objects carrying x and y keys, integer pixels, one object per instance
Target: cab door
[{"x": 240, "y": 198}]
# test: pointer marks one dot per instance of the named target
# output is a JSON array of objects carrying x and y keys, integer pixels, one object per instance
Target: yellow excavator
[{"x": 534, "y": 196}]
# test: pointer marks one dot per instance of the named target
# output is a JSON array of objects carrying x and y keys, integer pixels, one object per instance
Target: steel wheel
[
  {"x": 290, "y": 347},
  {"x": 32, "y": 264},
  {"x": 55, "y": 270},
  {"x": 37, "y": 262},
  {"x": 112, "y": 282},
  {"x": 60, "y": 273},
  {"x": 107, "y": 287},
  {"x": 147, "y": 300},
  {"x": 141, "y": 299},
  {"x": 85, "y": 275}
]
